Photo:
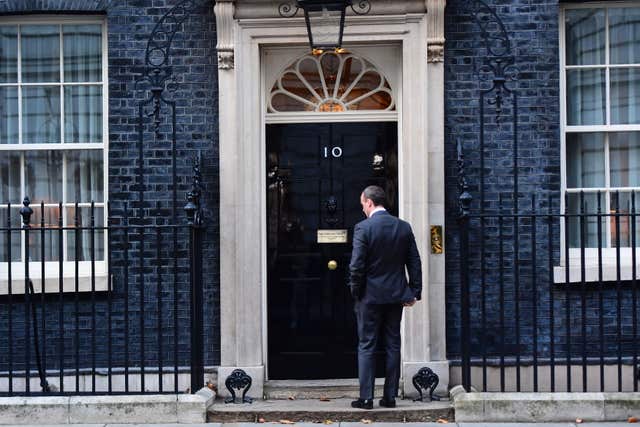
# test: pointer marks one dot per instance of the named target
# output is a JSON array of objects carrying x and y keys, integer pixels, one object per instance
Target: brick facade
[
  {"x": 532, "y": 28},
  {"x": 194, "y": 91}
]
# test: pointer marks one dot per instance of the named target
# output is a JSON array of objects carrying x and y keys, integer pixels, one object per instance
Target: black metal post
[
  {"x": 464, "y": 201},
  {"x": 10, "y": 300},
  {"x": 192, "y": 209},
  {"x": 26, "y": 212}
]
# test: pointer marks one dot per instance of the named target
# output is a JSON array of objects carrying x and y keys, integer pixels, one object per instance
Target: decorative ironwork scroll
[
  {"x": 238, "y": 380},
  {"x": 289, "y": 9},
  {"x": 157, "y": 76},
  {"x": 427, "y": 380},
  {"x": 498, "y": 106}
]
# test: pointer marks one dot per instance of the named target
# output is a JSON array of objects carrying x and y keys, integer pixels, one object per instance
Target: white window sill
[
  {"x": 592, "y": 271},
  {"x": 52, "y": 277}
]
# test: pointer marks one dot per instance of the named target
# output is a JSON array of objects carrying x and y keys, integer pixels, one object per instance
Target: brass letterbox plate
[{"x": 332, "y": 236}]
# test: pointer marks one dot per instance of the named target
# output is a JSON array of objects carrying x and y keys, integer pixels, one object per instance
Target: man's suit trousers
[{"x": 378, "y": 321}]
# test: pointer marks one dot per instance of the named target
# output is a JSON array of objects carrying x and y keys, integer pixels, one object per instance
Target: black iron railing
[
  {"x": 549, "y": 300},
  {"x": 101, "y": 307}
]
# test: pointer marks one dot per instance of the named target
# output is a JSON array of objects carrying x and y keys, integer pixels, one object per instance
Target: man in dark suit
[{"x": 383, "y": 247}]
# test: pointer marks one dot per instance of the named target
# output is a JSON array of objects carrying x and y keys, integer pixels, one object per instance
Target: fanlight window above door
[{"x": 331, "y": 82}]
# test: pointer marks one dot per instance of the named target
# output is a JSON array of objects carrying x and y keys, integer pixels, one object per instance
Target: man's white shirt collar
[{"x": 378, "y": 209}]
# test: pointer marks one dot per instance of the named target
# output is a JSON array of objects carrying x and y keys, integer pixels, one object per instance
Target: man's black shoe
[
  {"x": 362, "y": 404},
  {"x": 388, "y": 403}
]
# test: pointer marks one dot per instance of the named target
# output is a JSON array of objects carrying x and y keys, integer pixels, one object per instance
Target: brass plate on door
[{"x": 332, "y": 236}]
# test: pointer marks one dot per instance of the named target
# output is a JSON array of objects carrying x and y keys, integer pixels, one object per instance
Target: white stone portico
[{"x": 245, "y": 29}]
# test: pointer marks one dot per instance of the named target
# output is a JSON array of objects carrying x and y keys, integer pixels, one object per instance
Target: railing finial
[{"x": 26, "y": 212}]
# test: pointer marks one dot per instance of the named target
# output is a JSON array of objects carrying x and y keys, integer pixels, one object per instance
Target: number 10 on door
[{"x": 334, "y": 152}]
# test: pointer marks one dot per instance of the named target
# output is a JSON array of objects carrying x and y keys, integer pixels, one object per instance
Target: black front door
[{"x": 315, "y": 174}]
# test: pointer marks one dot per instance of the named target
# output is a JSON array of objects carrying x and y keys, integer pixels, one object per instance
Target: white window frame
[
  {"x": 609, "y": 254},
  {"x": 52, "y": 268}
]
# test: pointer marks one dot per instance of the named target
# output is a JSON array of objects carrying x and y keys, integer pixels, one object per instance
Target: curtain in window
[
  {"x": 40, "y": 49},
  {"x": 624, "y": 34},
  {"x": 585, "y": 36},
  {"x": 10, "y": 193},
  {"x": 83, "y": 114},
  {"x": 40, "y": 115},
  {"x": 8, "y": 115},
  {"x": 8, "y": 54},
  {"x": 84, "y": 184},
  {"x": 82, "y": 53}
]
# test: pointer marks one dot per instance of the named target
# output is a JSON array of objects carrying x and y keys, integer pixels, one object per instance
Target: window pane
[
  {"x": 9, "y": 177},
  {"x": 82, "y": 53},
  {"x": 43, "y": 176},
  {"x": 625, "y": 95},
  {"x": 585, "y": 36},
  {"x": 85, "y": 176},
  {"x": 40, "y": 48},
  {"x": 82, "y": 114},
  {"x": 82, "y": 238},
  {"x": 8, "y": 54},
  {"x": 585, "y": 160},
  {"x": 8, "y": 115},
  {"x": 586, "y": 97},
  {"x": 14, "y": 239},
  {"x": 623, "y": 203},
  {"x": 624, "y": 30},
  {"x": 40, "y": 115},
  {"x": 624, "y": 159},
  {"x": 51, "y": 234},
  {"x": 585, "y": 229}
]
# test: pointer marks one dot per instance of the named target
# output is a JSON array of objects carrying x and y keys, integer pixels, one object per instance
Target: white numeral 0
[{"x": 335, "y": 152}]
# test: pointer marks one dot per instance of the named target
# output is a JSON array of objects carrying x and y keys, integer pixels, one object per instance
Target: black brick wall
[
  {"x": 532, "y": 27},
  {"x": 194, "y": 92}
]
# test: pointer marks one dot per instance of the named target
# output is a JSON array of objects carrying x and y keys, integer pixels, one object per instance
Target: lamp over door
[{"x": 325, "y": 20}]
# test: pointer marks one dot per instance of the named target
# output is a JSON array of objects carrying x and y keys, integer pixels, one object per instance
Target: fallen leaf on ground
[
  {"x": 442, "y": 421},
  {"x": 291, "y": 397},
  {"x": 578, "y": 420},
  {"x": 286, "y": 422},
  {"x": 365, "y": 421},
  {"x": 632, "y": 420},
  {"x": 325, "y": 399},
  {"x": 261, "y": 420},
  {"x": 327, "y": 422}
]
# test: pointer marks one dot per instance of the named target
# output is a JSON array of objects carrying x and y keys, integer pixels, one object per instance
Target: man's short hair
[{"x": 375, "y": 194}]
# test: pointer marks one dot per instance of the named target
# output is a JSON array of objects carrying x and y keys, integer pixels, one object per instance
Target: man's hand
[
  {"x": 355, "y": 292},
  {"x": 409, "y": 303}
]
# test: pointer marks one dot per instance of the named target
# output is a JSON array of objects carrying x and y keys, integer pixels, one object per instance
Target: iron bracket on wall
[
  {"x": 427, "y": 380},
  {"x": 290, "y": 8},
  {"x": 238, "y": 380}
]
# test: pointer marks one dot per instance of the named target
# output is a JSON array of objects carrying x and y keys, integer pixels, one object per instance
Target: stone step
[
  {"x": 327, "y": 411},
  {"x": 315, "y": 389}
]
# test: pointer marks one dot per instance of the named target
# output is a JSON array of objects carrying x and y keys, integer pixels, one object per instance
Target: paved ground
[{"x": 345, "y": 424}]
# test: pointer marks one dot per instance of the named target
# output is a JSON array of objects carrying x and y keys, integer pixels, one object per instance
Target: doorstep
[{"x": 326, "y": 411}]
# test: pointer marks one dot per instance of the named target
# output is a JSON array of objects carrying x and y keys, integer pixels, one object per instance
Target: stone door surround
[{"x": 244, "y": 29}]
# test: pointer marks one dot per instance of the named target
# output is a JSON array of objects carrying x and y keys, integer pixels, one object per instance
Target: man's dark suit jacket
[{"x": 383, "y": 246}]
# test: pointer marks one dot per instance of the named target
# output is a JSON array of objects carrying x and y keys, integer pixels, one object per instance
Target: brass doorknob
[{"x": 332, "y": 265}]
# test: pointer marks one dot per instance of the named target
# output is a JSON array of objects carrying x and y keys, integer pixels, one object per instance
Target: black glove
[{"x": 355, "y": 292}]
